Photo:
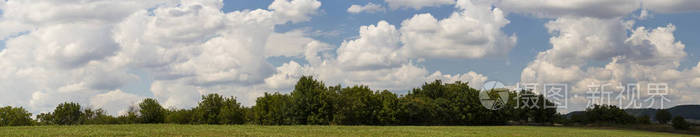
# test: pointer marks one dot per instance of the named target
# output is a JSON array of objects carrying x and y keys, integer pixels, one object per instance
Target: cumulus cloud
[
  {"x": 644, "y": 56},
  {"x": 595, "y": 8},
  {"x": 417, "y": 4},
  {"x": 86, "y": 51},
  {"x": 227, "y": 56},
  {"x": 557, "y": 8},
  {"x": 375, "y": 48},
  {"x": 114, "y": 102},
  {"x": 288, "y": 44},
  {"x": 472, "y": 32},
  {"x": 675, "y": 6},
  {"x": 295, "y": 10},
  {"x": 372, "y": 59},
  {"x": 369, "y": 8}
]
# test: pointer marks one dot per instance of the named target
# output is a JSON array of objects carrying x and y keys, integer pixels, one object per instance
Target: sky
[{"x": 112, "y": 54}]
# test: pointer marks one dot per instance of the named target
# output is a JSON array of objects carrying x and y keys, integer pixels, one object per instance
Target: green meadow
[{"x": 316, "y": 131}]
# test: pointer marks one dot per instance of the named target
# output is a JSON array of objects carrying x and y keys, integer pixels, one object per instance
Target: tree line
[
  {"x": 613, "y": 115},
  {"x": 313, "y": 103}
]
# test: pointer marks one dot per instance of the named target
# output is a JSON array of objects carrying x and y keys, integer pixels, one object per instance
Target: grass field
[{"x": 350, "y": 131}]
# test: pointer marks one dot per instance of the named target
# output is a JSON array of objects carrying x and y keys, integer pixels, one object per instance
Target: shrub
[{"x": 680, "y": 123}]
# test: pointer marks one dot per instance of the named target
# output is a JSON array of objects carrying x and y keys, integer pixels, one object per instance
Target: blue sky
[{"x": 176, "y": 50}]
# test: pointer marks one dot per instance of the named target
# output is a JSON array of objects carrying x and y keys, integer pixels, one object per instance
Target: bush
[
  {"x": 680, "y": 123},
  {"x": 18, "y": 116}
]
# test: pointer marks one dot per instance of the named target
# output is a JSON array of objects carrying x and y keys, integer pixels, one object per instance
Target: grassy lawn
[{"x": 350, "y": 131}]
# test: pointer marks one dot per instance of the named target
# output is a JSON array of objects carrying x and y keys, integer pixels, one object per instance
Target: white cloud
[
  {"x": 83, "y": 51},
  {"x": 671, "y": 6},
  {"x": 558, "y": 8},
  {"x": 417, "y": 4},
  {"x": 472, "y": 32},
  {"x": 48, "y": 12},
  {"x": 475, "y": 80},
  {"x": 227, "y": 57},
  {"x": 295, "y": 10},
  {"x": 175, "y": 94},
  {"x": 369, "y": 8},
  {"x": 375, "y": 48},
  {"x": 372, "y": 59},
  {"x": 575, "y": 43},
  {"x": 644, "y": 56},
  {"x": 115, "y": 102},
  {"x": 288, "y": 44},
  {"x": 2, "y": 5},
  {"x": 286, "y": 75},
  {"x": 595, "y": 8}
]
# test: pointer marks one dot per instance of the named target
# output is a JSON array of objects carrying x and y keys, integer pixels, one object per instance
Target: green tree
[
  {"x": 679, "y": 122},
  {"x": 179, "y": 116},
  {"x": 16, "y": 116},
  {"x": 273, "y": 109},
  {"x": 644, "y": 119},
  {"x": 98, "y": 116},
  {"x": 208, "y": 109},
  {"x": 313, "y": 102},
  {"x": 663, "y": 116},
  {"x": 357, "y": 105},
  {"x": 608, "y": 114},
  {"x": 231, "y": 112},
  {"x": 386, "y": 115},
  {"x": 45, "y": 119},
  {"x": 67, "y": 114},
  {"x": 151, "y": 111},
  {"x": 131, "y": 116}
]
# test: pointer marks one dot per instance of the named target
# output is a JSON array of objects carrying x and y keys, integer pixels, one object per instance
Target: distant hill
[
  {"x": 685, "y": 111},
  {"x": 691, "y": 112}
]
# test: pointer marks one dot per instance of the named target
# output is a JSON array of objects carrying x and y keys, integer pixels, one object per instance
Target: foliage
[
  {"x": 151, "y": 111},
  {"x": 98, "y": 116},
  {"x": 14, "y": 116},
  {"x": 663, "y": 116},
  {"x": 607, "y": 114},
  {"x": 179, "y": 116},
  {"x": 208, "y": 109},
  {"x": 131, "y": 116},
  {"x": 67, "y": 114},
  {"x": 273, "y": 109},
  {"x": 312, "y": 102},
  {"x": 643, "y": 119},
  {"x": 679, "y": 122},
  {"x": 231, "y": 112}
]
